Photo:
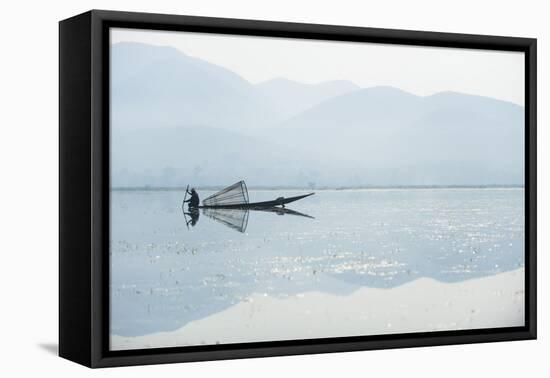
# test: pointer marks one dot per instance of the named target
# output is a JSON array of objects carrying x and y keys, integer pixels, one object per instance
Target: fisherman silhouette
[{"x": 194, "y": 200}]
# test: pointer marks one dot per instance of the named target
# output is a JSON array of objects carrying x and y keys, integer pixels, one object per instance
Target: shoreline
[
  {"x": 327, "y": 188},
  {"x": 423, "y": 305}
]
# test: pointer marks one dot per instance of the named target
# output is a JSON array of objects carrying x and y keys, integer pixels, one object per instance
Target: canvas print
[{"x": 267, "y": 189}]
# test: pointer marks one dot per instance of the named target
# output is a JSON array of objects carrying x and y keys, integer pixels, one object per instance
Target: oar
[
  {"x": 183, "y": 207},
  {"x": 185, "y": 197},
  {"x": 185, "y": 217}
]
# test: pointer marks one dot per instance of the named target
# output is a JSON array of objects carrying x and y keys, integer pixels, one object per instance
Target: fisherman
[{"x": 194, "y": 200}]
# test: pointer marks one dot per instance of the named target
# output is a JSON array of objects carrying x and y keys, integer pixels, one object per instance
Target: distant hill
[
  {"x": 204, "y": 156},
  {"x": 156, "y": 85},
  {"x": 391, "y": 137},
  {"x": 174, "y": 89},
  {"x": 289, "y": 98},
  {"x": 178, "y": 119}
]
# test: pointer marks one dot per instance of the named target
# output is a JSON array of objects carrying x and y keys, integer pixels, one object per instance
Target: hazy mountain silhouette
[
  {"x": 204, "y": 156},
  {"x": 174, "y": 89},
  {"x": 290, "y": 98},
  {"x": 179, "y": 119},
  {"x": 448, "y": 138}
]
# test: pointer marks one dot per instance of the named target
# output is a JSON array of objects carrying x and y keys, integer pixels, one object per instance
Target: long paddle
[{"x": 185, "y": 196}]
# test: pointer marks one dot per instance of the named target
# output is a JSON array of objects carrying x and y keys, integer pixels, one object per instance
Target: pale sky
[{"x": 419, "y": 70}]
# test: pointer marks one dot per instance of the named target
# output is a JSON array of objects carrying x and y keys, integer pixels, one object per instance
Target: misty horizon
[
  {"x": 319, "y": 188},
  {"x": 177, "y": 119}
]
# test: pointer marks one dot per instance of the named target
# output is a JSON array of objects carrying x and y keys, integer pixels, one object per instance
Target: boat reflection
[{"x": 236, "y": 219}]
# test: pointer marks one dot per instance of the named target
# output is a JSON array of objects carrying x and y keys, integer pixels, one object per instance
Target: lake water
[{"x": 165, "y": 274}]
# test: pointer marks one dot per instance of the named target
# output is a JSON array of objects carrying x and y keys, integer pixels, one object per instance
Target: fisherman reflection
[
  {"x": 193, "y": 216},
  {"x": 194, "y": 200}
]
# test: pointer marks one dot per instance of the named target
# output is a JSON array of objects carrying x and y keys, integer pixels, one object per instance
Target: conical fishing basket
[{"x": 236, "y": 194}]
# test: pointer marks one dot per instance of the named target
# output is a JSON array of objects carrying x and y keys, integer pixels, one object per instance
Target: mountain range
[{"x": 177, "y": 119}]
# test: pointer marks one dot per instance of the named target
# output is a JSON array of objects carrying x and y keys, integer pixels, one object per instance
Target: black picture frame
[{"x": 84, "y": 187}]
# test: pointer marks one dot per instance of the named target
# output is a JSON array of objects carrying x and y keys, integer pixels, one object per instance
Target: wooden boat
[
  {"x": 281, "y": 201},
  {"x": 236, "y": 197}
]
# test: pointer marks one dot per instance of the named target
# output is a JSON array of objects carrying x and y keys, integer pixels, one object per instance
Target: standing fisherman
[{"x": 194, "y": 200}]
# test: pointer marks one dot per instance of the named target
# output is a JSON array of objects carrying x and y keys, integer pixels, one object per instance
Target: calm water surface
[{"x": 164, "y": 274}]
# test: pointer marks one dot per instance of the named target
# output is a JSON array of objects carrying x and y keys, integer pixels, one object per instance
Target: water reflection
[
  {"x": 163, "y": 278},
  {"x": 236, "y": 219},
  {"x": 193, "y": 213}
]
